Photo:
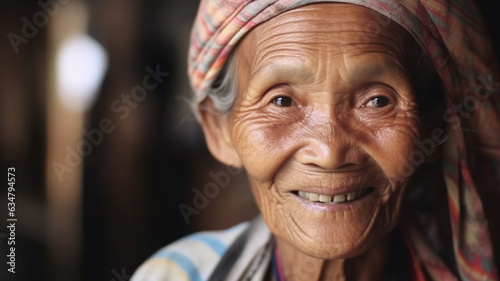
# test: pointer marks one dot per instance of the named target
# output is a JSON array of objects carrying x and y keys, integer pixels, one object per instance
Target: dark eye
[
  {"x": 283, "y": 101},
  {"x": 378, "y": 102}
]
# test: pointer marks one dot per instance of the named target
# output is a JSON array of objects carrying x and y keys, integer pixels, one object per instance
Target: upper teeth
[{"x": 315, "y": 197}]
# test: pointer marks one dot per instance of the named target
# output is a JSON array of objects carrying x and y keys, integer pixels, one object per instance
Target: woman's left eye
[
  {"x": 377, "y": 102},
  {"x": 283, "y": 101}
]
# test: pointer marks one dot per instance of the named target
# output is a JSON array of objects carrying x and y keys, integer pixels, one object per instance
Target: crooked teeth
[{"x": 314, "y": 197}]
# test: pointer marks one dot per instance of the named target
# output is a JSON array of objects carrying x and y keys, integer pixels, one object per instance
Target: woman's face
[{"x": 325, "y": 112}]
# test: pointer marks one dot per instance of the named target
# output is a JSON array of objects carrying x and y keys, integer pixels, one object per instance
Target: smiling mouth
[{"x": 335, "y": 199}]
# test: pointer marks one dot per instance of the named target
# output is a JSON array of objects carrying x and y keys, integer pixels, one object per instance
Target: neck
[{"x": 369, "y": 266}]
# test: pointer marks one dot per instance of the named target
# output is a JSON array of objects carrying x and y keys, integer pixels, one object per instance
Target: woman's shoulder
[{"x": 192, "y": 257}]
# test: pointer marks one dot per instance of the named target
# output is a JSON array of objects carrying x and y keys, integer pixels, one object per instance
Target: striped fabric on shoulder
[{"x": 192, "y": 258}]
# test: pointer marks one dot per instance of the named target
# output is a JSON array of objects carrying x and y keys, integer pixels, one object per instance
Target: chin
[{"x": 335, "y": 231}]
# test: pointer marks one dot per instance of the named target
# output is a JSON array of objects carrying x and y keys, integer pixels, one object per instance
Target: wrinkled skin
[{"x": 320, "y": 109}]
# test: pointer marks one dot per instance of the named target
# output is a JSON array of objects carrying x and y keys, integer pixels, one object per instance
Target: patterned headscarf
[{"x": 454, "y": 38}]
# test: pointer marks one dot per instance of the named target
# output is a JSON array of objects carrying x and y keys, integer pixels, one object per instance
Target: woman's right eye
[{"x": 283, "y": 101}]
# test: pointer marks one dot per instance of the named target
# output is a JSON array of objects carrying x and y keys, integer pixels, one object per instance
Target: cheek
[
  {"x": 262, "y": 144},
  {"x": 270, "y": 203},
  {"x": 394, "y": 145}
]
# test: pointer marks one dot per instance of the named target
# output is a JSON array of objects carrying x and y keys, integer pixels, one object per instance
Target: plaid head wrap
[{"x": 454, "y": 37}]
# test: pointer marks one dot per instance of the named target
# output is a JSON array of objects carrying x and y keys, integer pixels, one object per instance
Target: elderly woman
[{"x": 369, "y": 131}]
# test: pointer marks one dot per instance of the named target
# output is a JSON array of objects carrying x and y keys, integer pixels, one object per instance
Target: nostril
[{"x": 326, "y": 154}]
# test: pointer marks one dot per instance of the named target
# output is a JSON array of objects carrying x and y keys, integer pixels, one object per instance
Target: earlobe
[{"x": 217, "y": 135}]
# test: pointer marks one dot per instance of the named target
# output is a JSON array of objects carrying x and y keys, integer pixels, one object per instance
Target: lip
[
  {"x": 368, "y": 200},
  {"x": 332, "y": 191}
]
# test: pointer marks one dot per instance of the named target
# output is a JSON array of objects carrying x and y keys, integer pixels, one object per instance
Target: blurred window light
[{"x": 80, "y": 68}]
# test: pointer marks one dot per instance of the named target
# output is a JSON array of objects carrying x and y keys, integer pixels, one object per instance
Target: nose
[{"x": 331, "y": 147}]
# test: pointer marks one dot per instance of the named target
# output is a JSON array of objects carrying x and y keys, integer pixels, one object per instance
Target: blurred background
[
  {"x": 109, "y": 161},
  {"x": 94, "y": 116}
]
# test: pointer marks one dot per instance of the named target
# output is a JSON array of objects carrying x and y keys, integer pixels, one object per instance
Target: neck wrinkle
[{"x": 369, "y": 266}]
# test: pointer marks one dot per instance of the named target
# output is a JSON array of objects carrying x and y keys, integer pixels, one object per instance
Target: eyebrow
[
  {"x": 369, "y": 71},
  {"x": 283, "y": 71},
  {"x": 377, "y": 70},
  {"x": 292, "y": 69}
]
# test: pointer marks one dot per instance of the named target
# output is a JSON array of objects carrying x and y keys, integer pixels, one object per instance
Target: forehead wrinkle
[
  {"x": 387, "y": 65},
  {"x": 351, "y": 70},
  {"x": 287, "y": 40},
  {"x": 284, "y": 40},
  {"x": 336, "y": 27},
  {"x": 277, "y": 59},
  {"x": 291, "y": 57},
  {"x": 306, "y": 32},
  {"x": 281, "y": 70},
  {"x": 276, "y": 52},
  {"x": 323, "y": 16}
]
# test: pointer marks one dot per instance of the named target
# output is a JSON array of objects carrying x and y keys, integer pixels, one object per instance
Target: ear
[{"x": 217, "y": 134}]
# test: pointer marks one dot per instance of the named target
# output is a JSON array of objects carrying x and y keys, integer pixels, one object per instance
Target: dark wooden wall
[{"x": 135, "y": 179}]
